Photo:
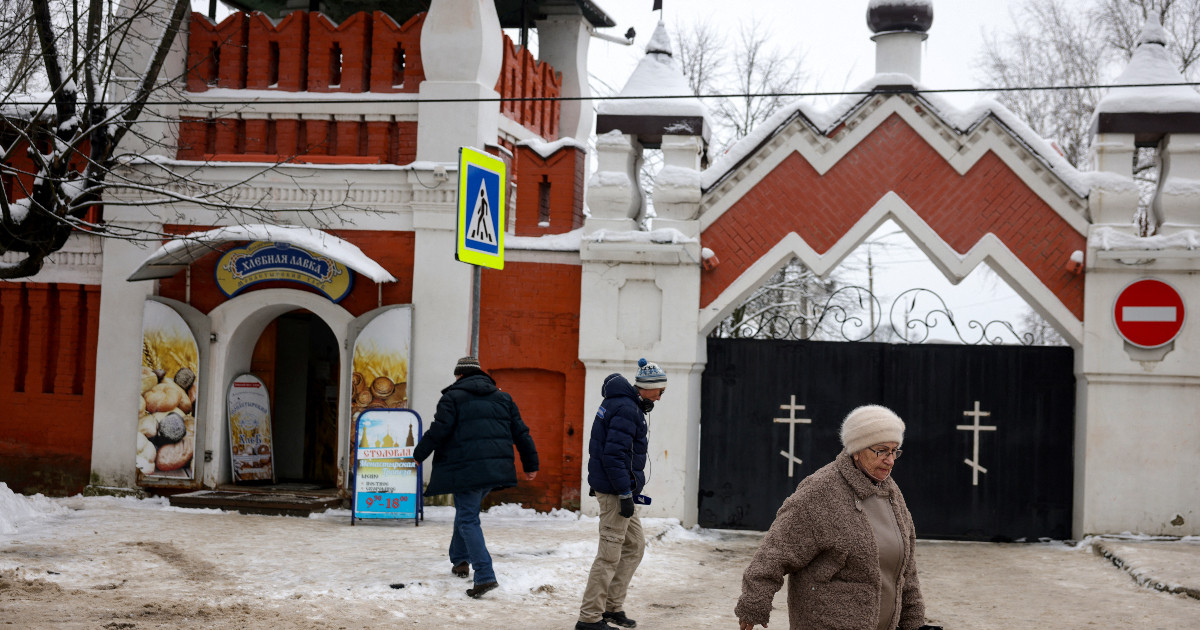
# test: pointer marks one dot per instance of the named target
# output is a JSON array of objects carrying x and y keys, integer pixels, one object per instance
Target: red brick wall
[
  {"x": 529, "y": 342},
  {"x": 48, "y": 338},
  {"x": 278, "y": 67},
  {"x": 393, "y": 250},
  {"x": 989, "y": 198},
  {"x": 19, "y": 174},
  {"x": 396, "y": 54},
  {"x": 217, "y": 53},
  {"x": 353, "y": 39},
  {"x": 522, "y": 76},
  {"x": 297, "y": 54},
  {"x": 564, "y": 173}
]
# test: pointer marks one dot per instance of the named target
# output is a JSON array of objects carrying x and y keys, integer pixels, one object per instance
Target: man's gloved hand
[{"x": 627, "y": 507}]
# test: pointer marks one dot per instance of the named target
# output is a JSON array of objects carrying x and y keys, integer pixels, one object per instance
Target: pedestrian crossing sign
[{"x": 481, "y": 195}]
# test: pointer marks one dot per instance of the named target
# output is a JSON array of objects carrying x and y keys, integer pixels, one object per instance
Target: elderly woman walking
[{"x": 844, "y": 539}]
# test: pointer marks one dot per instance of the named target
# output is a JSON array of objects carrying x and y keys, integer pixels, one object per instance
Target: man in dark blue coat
[
  {"x": 617, "y": 473},
  {"x": 472, "y": 437}
]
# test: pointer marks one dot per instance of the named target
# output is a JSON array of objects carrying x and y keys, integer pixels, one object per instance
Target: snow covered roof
[
  {"x": 177, "y": 254},
  {"x": 657, "y": 74},
  {"x": 825, "y": 122},
  {"x": 1150, "y": 64},
  {"x": 546, "y": 149},
  {"x": 572, "y": 241}
]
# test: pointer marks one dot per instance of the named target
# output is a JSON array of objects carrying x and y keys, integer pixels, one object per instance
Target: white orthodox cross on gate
[
  {"x": 792, "y": 421},
  {"x": 974, "y": 461}
]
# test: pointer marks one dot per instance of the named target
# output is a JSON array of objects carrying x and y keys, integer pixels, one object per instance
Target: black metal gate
[{"x": 987, "y": 450}]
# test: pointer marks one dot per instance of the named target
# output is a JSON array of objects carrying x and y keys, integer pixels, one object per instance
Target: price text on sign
[
  {"x": 386, "y": 477},
  {"x": 1148, "y": 313}
]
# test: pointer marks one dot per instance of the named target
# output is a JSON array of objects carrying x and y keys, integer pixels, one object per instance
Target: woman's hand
[{"x": 746, "y": 625}]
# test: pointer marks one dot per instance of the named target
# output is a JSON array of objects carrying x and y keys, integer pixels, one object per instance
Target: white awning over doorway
[{"x": 180, "y": 252}]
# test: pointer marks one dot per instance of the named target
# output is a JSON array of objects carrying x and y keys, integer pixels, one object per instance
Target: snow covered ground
[{"x": 103, "y": 562}]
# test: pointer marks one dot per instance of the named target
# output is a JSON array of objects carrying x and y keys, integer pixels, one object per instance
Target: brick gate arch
[{"x": 966, "y": 191}]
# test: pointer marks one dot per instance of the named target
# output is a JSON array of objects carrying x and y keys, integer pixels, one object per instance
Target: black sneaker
[
  {"x": 462, "y": 570},
  {"x": 620, "y": 619},
  {"x": 479, "y": 589},
  {"x": 592, "y": 625}
]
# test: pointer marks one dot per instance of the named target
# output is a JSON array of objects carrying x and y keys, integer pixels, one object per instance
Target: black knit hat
[{"x": 467, "y": 365}]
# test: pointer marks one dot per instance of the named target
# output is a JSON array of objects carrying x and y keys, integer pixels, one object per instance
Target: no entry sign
[{"x": 1148, "y": 313}]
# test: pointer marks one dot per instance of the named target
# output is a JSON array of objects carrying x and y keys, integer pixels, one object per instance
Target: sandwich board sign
[
  {"x": 387, "y": 480},
  {"x": 482, "y": 187}
]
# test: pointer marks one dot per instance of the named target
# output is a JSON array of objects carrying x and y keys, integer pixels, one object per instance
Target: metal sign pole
[
  {"x": 476, "y": 281},
  {"x": 479, "y": 233}
]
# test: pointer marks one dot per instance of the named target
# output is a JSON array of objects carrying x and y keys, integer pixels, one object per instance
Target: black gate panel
[{"x": 1016, "y": 486}]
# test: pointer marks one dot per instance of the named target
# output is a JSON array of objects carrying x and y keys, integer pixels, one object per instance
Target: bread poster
[
  {"x": 166, "y": 435},
  {"x": 250, "y": 430},
  {"x": 381, "y": 355}
]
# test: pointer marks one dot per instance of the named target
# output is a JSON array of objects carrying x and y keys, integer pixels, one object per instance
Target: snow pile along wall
[{"x": 17, "y": 511}]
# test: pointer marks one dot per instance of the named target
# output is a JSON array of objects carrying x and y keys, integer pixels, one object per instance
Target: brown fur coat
[{"x": 822, "y": 542}]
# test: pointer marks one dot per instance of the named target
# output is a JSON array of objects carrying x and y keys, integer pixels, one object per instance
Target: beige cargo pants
[{"x": 621, "y": 547}]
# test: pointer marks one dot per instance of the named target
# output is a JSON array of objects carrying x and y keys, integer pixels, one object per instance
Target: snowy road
[{"x": 111, "y": 563}]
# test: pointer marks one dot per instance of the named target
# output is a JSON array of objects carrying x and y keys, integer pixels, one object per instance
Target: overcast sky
[
  {"x": 839, "y": 55},
  {"x": 832, "y": 34}
]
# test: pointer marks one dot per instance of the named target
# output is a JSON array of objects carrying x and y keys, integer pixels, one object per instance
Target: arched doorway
[{"x": 296, "y": 356}]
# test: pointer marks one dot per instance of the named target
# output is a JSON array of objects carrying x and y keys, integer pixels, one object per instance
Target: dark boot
[
  {"x": 479, "y": 589},
  {"x": 592, "y": 625},
  {"x": 462, "y": 570},
  {"x": 620, "y": 619}
]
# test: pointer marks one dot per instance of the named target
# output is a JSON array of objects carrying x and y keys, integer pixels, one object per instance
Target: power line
[{"x": 886, "y": 90}]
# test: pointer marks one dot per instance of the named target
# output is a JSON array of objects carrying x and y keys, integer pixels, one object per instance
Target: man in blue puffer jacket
[
  {"x": 617, "y": 472},
  {"x": 472, "y": 437}
]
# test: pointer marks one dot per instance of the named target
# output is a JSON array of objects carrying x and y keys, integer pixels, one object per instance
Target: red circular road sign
[{"x": 1148, "y": 313}]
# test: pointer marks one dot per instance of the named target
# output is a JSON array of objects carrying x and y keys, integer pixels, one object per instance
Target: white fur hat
[{"x": 871, "y": 424}]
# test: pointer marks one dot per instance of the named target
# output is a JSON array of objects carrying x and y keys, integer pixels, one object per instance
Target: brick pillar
[
  {"x": 228, "y": 136},
  {"x": 287, "y": 132},
  {"x": 379, "y": 131},
  {"x": 90, "y": 308},
  {"x": 192, "y": 138},
  {"x": 284, "y": 67},
  {"x": 563, "y": 41},
  {"x": 256, "y": 130},
  {"x": 396, "y": 54},
  {"x": 39, "y": 338},
  {"x": 67, "y": 369},
  {"x": 317, "y": 130},
  {"x": 459, "y": 42},
  {"x": 10, "y": 335},
  {"x": 347, "y": 134}
]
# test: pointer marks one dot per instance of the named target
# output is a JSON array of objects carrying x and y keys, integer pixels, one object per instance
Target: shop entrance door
[{"x": 297, "y": 358}]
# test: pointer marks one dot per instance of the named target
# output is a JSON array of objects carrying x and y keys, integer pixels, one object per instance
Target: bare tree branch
[{"x": 64, "y": 120}]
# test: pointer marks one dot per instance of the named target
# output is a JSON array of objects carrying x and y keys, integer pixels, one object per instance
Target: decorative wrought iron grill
[{"x": 850, "y": 314}]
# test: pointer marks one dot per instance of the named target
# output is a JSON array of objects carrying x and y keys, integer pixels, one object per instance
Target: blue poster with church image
[{"x": 387, "y": 480}]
